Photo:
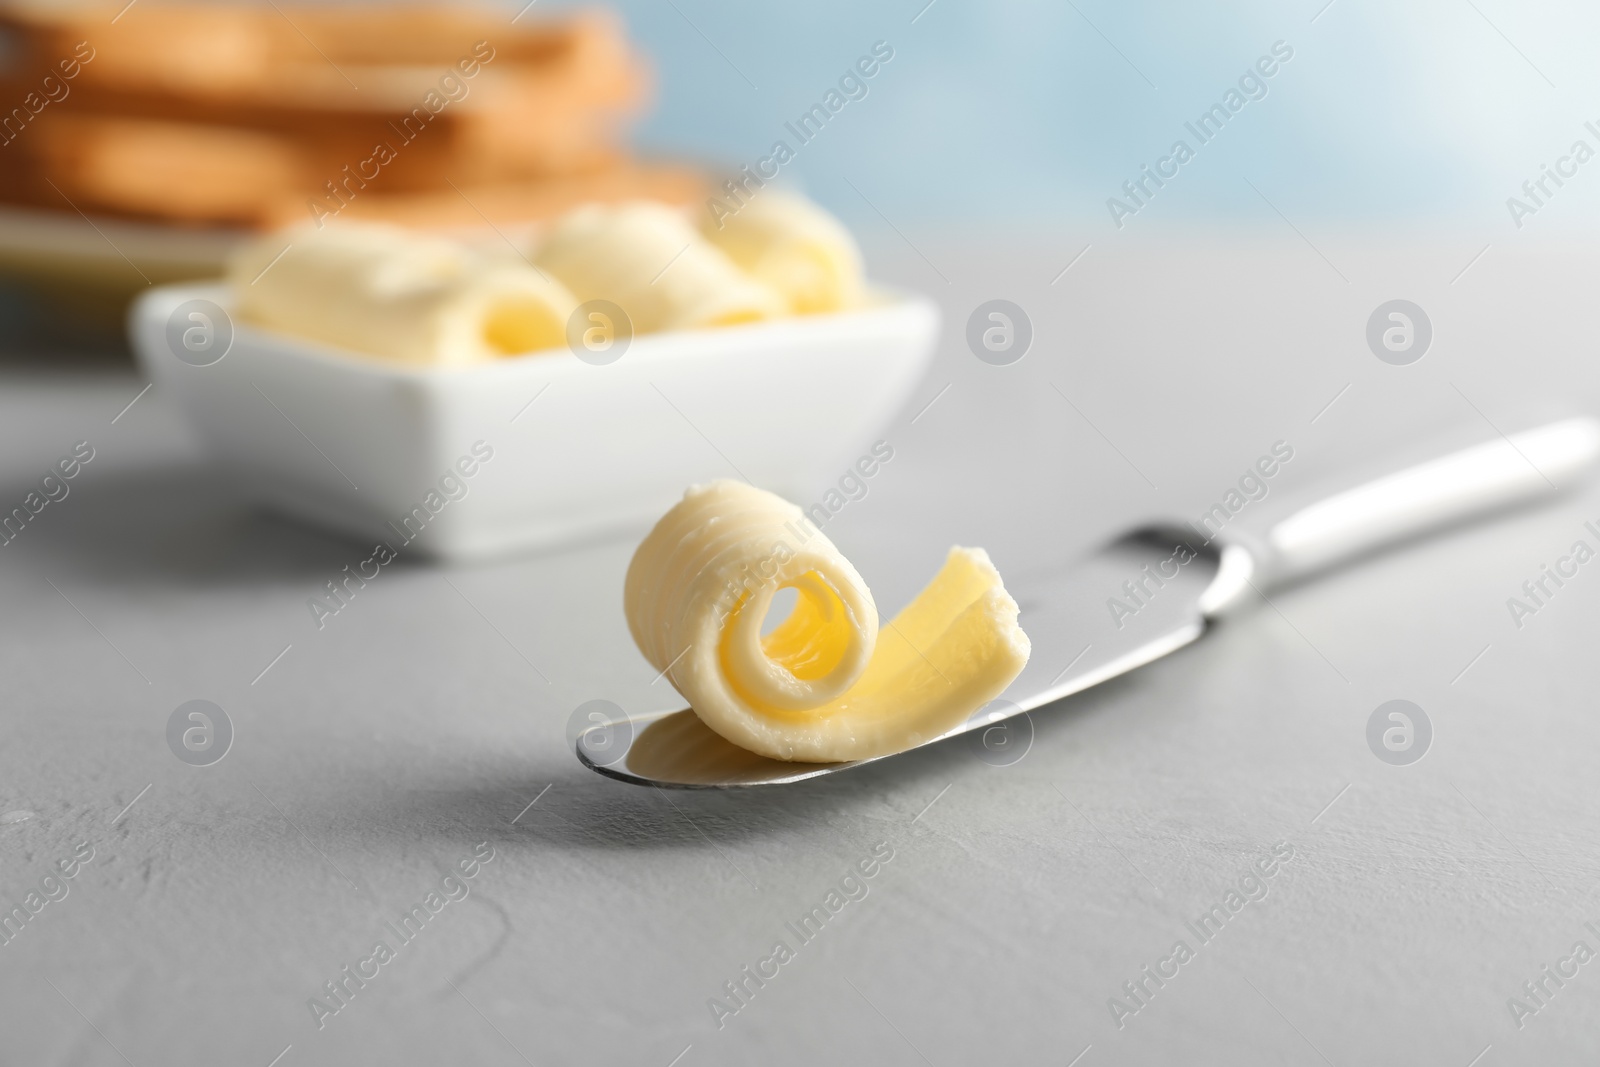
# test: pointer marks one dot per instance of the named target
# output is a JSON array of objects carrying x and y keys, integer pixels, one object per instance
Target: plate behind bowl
[{"x": 574, "y": 450}]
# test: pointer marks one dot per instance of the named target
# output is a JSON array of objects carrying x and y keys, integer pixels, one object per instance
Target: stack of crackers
[{"x": 250, "y": 117}]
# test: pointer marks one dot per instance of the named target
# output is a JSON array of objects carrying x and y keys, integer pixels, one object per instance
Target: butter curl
[{"x": 826, "y": 684}]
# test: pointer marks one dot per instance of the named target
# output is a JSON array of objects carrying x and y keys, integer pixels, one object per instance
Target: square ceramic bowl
[{"x": 533, "y": 451}]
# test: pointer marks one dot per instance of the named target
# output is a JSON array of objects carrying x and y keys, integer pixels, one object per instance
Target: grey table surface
[{"x": 373, "y": 756}]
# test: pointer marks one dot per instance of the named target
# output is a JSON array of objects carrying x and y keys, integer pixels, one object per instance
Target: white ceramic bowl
[{"x": 356, "y": 444}]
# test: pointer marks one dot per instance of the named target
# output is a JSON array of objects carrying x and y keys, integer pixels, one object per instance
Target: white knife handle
[{"x": 1451, "y": 489}]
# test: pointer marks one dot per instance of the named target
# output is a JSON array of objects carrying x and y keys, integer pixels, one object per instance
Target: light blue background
[{"x": 1427, "y": 111}]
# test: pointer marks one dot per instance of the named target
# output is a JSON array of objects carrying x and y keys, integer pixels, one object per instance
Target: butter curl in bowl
[
  {"x": 647, "y": 259},
  {"x": 398, "y": 295},
  {"x": 795, "y": 247}
]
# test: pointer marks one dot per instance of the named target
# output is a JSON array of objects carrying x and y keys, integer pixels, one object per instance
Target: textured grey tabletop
[{"x": 1011, "y": 913}]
